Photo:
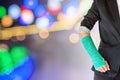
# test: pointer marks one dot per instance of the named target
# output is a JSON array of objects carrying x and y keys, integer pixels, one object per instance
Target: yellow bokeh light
[
  {"x": 4, "y": 46},
  {"x": 6, "y": 34},
  {"x": 7, "y": 21},
  {"x": 74, "y": 38},
  {"x": 20, "y": 36},
  {"x": 44, "y": 34},
  {"x": 60, "y": 17}
]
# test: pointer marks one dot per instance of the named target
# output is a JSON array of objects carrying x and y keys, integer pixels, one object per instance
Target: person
[{"x": 106, "y": 59}]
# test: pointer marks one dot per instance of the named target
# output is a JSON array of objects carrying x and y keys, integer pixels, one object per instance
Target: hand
[{"x": 104, "y": 68}]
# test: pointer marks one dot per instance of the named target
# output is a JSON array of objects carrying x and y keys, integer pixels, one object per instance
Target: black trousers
[{"x": 101, "y": 77}]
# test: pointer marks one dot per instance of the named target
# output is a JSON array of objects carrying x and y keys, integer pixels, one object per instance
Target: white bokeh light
[
  {"x": 27, "y": 16},
  {"x": 71, "y": 11},
  {"x": 54, "y": 4},
  {"x": 42, "y": 22},
  {"x": 14, "y": 11}
]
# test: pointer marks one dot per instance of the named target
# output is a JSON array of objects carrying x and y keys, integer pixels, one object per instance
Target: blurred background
[{"x": 49, "y": 29}]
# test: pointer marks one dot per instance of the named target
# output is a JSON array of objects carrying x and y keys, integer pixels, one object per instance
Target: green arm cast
[{"x": 97, "y": 59}]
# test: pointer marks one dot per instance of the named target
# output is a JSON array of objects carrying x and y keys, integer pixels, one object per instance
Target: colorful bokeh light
[
  {"x": 26, "y": 17},
  {"x": 7, "y": 34},
  {"x": 52, "y": 19},
  {"x": 30, "y": 4},
  {"x": 14, "y": 64},
  {"x": 44, "y": 34},
  {"x": 19, "y": 54},
  {"x": 74, "y": 38},
  {"x": 4, "y": 46},
  {"x": 20, "y": 36},
  {"x": 14, "y": 11},
  {"x": 71, "y": 8},
  {"x": 20, "y": 73},
  {"x": 7, "y": 21},
  {"x": 45, "y": 22},
  {"x": 2, "y": 11},
  {"x": 40, "y": 11},
  {"x": 6, "y": 64},
  {"x": 54, "y": 6},
  {"x": 42, "y": 22},
  {"x": 24, "y": 71}
]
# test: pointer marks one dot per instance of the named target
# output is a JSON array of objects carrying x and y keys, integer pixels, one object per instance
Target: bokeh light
[
  {"x": 19, "y": 55},
  {"x": 7, "y": 21},
  {"x": 40, "y": 11},
  {"x": 4, "y": 46},
  {"x": 30, "y": 4},
  {"x": 52, "y": 19},
  {"x": 42, "y": 22},
  {"x": 54, "y": 6},
  {"x": 20, "y": 36},
  {"x": 24, "y": 71},
  {"x": 23, "y": 7},
  {"x": 70, "y": 9},
  {"x": 2, "y": 11},
  {"x": 45, "y": 22},
  {"x": 61, "y": 16},
  {"x": 74, "y": 38},
  {"x": 44, "y": 34},
  {"x": 26, "y": 17},
  {"x": 57, "y": 43},
  {"x": 14, "y": 11},
  {"x": 6, "y": 77},
  {"x": 5, "y": 62},
  {"x": 14, "y": 63},
  {"x": 6, "y": 34}
]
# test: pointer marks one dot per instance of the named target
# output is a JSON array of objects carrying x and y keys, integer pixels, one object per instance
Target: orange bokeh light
[{"x": 7, "y": 21}]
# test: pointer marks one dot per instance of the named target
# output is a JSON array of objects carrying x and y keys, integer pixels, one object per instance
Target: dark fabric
[
  {"x": 102, "y": 77},
  {"x": 107, "y": 14}
]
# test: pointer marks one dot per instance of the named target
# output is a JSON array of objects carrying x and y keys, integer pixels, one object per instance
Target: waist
[{"x": 107, "y": 45}]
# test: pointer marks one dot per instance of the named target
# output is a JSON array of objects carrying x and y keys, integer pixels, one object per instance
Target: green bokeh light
[
  {"x": 2, "y": 11},
  {"x": 6, "y": 64},
  {"x": 19, "y": 54}
]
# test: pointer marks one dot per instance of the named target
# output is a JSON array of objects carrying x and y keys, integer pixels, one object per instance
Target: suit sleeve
[{"x": 91, "y": 17}]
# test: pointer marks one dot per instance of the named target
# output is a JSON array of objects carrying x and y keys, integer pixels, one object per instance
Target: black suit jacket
[{"x": 107, "y": 13}]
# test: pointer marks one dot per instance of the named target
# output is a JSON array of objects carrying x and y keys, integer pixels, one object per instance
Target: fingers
[
  {"x": 101, "y": 69},
  {"x": 104, "y": 68}
]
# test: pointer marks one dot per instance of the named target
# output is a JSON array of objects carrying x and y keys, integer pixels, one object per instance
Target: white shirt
[{"x": 118, "y": 2}]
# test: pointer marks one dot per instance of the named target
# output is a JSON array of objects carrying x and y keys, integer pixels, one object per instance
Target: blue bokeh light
[
  {"x": 45, "y": 22},
  {"x": 30, "y": 4},
  {"x": 40, "y": 11},
  {"x": 14, "y": 11},
  {"x": 26, "y": 17},
  {"x": 21, "y": 22},
  {"x": 52, "y": 19},
  {"x": 72, "y": 3},
  {"x": 22, "y": 72}
]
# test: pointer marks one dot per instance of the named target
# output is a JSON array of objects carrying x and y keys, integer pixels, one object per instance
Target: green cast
[{"x": 97, "y": 59}]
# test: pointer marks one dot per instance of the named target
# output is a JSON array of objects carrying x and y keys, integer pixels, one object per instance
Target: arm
[
  {"x": 86, "y": 25},
  {"x": 98, "y": 61}
]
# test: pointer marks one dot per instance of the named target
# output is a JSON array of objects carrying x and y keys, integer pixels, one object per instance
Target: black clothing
[{"x": 107, "y": 14}]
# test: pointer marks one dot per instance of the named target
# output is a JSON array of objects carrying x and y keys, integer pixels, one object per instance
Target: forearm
[{"x": 89, "y": 46}]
